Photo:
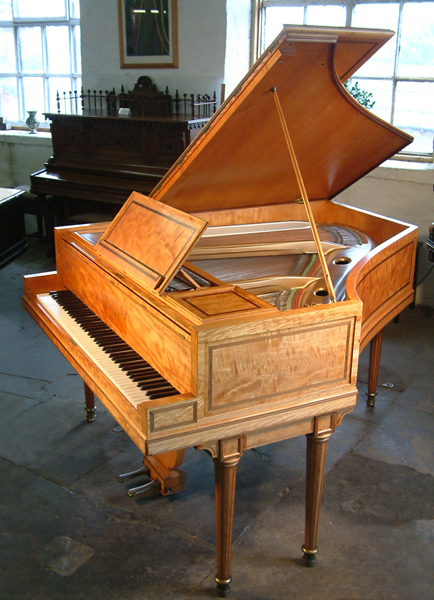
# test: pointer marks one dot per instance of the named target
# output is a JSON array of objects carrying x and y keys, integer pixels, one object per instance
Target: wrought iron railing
[{"x": 108, "y": 103}]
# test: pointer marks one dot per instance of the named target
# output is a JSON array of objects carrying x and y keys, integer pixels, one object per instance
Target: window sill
[
  {"x": 20, "y": 136},
  {"x": 401, "y": 170}
]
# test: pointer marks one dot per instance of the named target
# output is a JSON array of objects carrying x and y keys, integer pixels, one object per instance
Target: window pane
[
  {"x": 382, "y": 16},
  {"x": 59, "y": 60},
  {"x": 34, "y": 95},
  {"x": 9, "y": 98},
  {"x": 326, "y": 15},
  {"x": 30, "y": 43},
  {"x": 416, "y": 56},
  {"x": 74, "y": 9},
  {"x": 414, "y": 112},
  {"x": 78, "y": 84},
  {"x": 62, "y": 86},
  {"x": 40, "y": 9},
  {"x": 7, "y": 50},
  {"x": 5, "y": 10},
  {"x": 381, "y": 91},
  {"x": 276, "y": 17},
  {"x": 76, "y": 50}
]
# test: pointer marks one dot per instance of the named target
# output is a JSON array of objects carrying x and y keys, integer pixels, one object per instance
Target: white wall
[
  {"x": 403, "y": 191},
  {"x": 201, "y": 42},
  {"x": 237, "y": 59},
  {"x": 21, "y": 154}
]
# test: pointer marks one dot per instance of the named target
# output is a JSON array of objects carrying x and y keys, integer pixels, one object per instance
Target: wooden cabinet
[{"x": 12, "y": 233}]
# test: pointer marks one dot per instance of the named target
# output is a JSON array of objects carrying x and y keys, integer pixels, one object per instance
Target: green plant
[{"x": 362, "y": 96}]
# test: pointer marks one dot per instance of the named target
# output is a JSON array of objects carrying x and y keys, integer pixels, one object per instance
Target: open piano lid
[
  {"x": 240, "y": 159},
  {"x": 149, "y": 241}
]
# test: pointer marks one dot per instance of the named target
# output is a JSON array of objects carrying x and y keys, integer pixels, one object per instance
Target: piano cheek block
[{"x": 173, "y": 416}]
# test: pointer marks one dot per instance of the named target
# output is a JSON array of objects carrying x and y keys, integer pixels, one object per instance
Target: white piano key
[{"x": 117, "y": 376}]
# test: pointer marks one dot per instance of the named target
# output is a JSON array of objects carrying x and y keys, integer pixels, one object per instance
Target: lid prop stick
[{"x": 306, "y": 202}]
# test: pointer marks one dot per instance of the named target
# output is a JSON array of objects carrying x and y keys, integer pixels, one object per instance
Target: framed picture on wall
[{"x": 148, "y": 33}]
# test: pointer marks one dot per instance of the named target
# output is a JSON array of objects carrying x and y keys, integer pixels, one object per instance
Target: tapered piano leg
[
  {"x": 226, "y": 455},
  {"x": 90, "y": 403},
  {"x": 225, "y": 478},
  {"x": 315, "y": 469},
  {"x": 374, "y": 364}
]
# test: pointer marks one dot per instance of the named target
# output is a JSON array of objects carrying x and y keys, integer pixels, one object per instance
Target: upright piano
[
  {"x": 227, "y": 309},
  {"x": 99, "y": 156}
]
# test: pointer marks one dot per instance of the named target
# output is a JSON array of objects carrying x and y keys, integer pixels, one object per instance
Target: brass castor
[
  {"x": 370, "y": 399},
  {"x": 223, "y": 586},
  {"x": 309, "y": 556}
]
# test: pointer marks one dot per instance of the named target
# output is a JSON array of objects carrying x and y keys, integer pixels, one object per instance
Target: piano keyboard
[{"x": 125, "y": 368}]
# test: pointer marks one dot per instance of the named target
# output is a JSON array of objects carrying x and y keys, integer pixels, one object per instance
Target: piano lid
[
  {"x": 241, "y": 159},
  {"x": 149, "y": 241}
]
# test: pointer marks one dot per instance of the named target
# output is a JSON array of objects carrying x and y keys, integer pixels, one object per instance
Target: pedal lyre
[{"x": 164, "y": 472}]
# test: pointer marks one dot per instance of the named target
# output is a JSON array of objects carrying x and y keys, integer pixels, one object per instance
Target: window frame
[
  {"x": 72, "y": 79},
  {"x": 350, "y": 5}
]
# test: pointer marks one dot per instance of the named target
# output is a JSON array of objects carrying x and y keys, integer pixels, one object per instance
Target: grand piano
[{"x": 227, "y": 309}]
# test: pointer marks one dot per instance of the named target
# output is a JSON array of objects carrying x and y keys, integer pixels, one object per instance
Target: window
[
  {"x": 400, "y": 75},
  {"x": 39, "y": 55}
]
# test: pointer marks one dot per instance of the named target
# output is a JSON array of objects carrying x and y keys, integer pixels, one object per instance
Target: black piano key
[
  {"x": 140, "y": 376},
  {"x": 139, "y": 371},
  {"x": 126, "y": 361},
  {"x": 108, "y": 341},
  {"x": 162, "y": 394},
  {"x": 123, "y": 364},
  {"x": 139, "y": 367},
  {"x": 143, "y": 378},
  {"x": 154, "y": 384},
  {"x": 149, "y": 382},
  {"x": 128, "y": 351}
]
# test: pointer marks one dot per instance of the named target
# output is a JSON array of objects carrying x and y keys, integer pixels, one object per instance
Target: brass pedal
[
  {"x": 142, "y": 489},
  {"x": 163, "y": 471},
  {"x": 127, "y": 476}
]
